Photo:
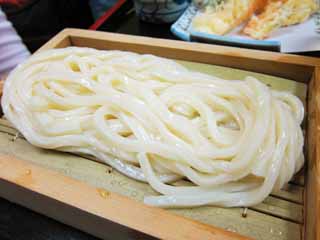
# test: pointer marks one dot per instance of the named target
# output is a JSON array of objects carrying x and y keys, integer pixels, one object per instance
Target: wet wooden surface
[{"x": 278, "y": 217}]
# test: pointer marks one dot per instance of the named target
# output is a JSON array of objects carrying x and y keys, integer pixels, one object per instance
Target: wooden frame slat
[
  {"x": 14, "y": 144},
  {"x": 153, "y": 221},
  {"x": 312, "y": 193},
  {"x": 301, "y": 68},
  {"x": 14, "y": 173}
]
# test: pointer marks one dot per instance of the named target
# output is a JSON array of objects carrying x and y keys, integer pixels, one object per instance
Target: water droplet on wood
[{"x": 103, "y": 193}]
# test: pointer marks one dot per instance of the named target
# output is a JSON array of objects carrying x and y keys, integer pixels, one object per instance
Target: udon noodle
[{"x": 152, "y": 119}]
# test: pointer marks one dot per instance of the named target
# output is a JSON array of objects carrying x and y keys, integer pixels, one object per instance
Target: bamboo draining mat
[{"x": 280, "y": 216}]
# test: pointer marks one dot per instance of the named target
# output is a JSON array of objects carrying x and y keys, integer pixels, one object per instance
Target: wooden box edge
[{"x": 201, "y": 231}]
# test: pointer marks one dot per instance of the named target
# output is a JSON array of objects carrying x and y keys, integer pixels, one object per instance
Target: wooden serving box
[{"x": 73, "y": 193}]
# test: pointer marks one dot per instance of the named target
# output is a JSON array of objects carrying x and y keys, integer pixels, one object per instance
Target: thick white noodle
[{"x": 156, "y": 121}]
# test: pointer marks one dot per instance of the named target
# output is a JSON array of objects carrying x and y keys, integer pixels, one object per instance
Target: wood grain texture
[
  {"x": 61, "y": 40},
  {"x": 257, "y": 224},
  {"x": 118, "y": 209},
  {"x": 16, "y": 185},
  {"x": 65, "y": 213},
  {"x": 312, "y": 213},
  {"x": 301, "y": 68}
]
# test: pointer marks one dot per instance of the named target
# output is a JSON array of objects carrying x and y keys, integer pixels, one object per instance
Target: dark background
[
  {"x": 19, "y": 223},
  {"x": 39, "y": 20}
]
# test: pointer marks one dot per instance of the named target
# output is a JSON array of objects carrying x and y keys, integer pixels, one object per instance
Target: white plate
[{"x": 303, "y": 37}]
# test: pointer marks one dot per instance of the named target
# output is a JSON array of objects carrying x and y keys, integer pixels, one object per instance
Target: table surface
[{"x": 19, "y": 223}]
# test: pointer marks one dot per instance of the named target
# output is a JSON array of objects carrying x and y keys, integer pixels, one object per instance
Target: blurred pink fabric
[{"x": 12, "y": 49}]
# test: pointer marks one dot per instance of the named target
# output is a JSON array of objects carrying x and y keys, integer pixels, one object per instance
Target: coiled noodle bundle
[{"x": 156, "y": 121}]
